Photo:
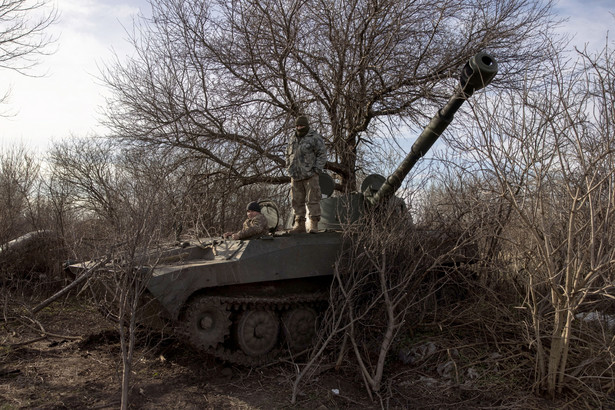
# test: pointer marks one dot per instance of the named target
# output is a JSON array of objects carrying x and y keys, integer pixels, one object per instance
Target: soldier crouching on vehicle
[
  {"x": 253, "y": 227},
  {"x": 306, "y": 157}
]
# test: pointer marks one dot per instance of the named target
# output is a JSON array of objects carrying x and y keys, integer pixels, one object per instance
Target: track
[{"x": 252, "y": 331}]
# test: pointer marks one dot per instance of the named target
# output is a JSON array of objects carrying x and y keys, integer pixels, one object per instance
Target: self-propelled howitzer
[{"x": 248, "y": 301}]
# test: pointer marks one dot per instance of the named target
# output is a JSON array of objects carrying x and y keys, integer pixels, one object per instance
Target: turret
[{"x": 476, "y": 74}]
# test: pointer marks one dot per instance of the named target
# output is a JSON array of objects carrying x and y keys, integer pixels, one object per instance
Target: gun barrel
[{"x": 476, "y": 74}]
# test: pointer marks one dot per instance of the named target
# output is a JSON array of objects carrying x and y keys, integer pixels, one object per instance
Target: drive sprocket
[{"x": 207, "y": 322}]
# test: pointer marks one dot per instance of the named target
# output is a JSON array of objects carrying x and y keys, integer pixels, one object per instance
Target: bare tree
[
  {"x": 98, "y": 178},
  {"x": 19, "y": 175},
  {"x": 548, "y": 153},
  {"x": 223, "y": 80},
  {"x": 139, "y": 235},
  {"x": 124, "y": 194},
  {"x": 24, "y": 34},
  {"x": 387, "y": 272}
]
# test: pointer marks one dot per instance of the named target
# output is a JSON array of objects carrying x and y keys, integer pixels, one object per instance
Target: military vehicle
[{"x": 247, "y": 301}]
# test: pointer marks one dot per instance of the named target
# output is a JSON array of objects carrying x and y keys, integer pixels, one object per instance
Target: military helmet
[{"x": 302, "y": 120}]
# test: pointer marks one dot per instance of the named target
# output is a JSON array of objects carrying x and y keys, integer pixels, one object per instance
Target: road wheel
[
  {"x": 257, "y": 332},
  {"x": 299, "y": 328}
]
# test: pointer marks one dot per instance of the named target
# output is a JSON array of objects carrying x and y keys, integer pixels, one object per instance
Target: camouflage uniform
[
  {"x": 254, "y": 227},
  {"x": 305, "y": 157}
]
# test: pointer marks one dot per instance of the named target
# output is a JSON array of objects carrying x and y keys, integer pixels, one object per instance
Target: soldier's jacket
[
  {"x": 254, "y": 227},
  {"x": 305, "y": 154}
]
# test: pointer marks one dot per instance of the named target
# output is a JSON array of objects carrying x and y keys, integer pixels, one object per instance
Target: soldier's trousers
[{"x": 305, "y": 192}]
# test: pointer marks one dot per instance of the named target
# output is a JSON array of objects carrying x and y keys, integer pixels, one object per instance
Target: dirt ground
[{"x": 77, "y": 364}]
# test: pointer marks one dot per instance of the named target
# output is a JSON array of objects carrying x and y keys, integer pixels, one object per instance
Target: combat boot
[
  {"x": 299, "y": 226},
  {"x": 313, "y": 224}
]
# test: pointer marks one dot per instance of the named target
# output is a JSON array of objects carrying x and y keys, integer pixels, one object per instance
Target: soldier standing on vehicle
[
  {"x": 306, "y": 157},
  {"x": 253, "y": 227}
]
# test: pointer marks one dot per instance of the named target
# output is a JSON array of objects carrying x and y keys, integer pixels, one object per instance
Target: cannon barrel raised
[{"x": 476, "y": 74}]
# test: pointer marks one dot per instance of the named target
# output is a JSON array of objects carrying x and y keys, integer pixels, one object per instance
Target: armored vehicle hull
[{"x": 243, "y": 301}]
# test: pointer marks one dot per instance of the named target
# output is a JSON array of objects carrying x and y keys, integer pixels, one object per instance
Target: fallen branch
[
  {"x": 68, "y": 288},
  {"x": 38, "y": 339}
]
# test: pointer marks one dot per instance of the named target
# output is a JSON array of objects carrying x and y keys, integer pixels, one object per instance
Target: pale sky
[{"x": 67, "y": 99}]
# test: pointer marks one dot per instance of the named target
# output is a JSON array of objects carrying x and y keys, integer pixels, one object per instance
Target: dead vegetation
[
  {"x": 69, "y": 357},
  {"x": 416, "y": 322}
]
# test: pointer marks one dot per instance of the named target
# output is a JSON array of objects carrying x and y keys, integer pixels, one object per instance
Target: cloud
[
  {"x": 65, "y": 97},
  {"x": 588, "y": 21}
]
